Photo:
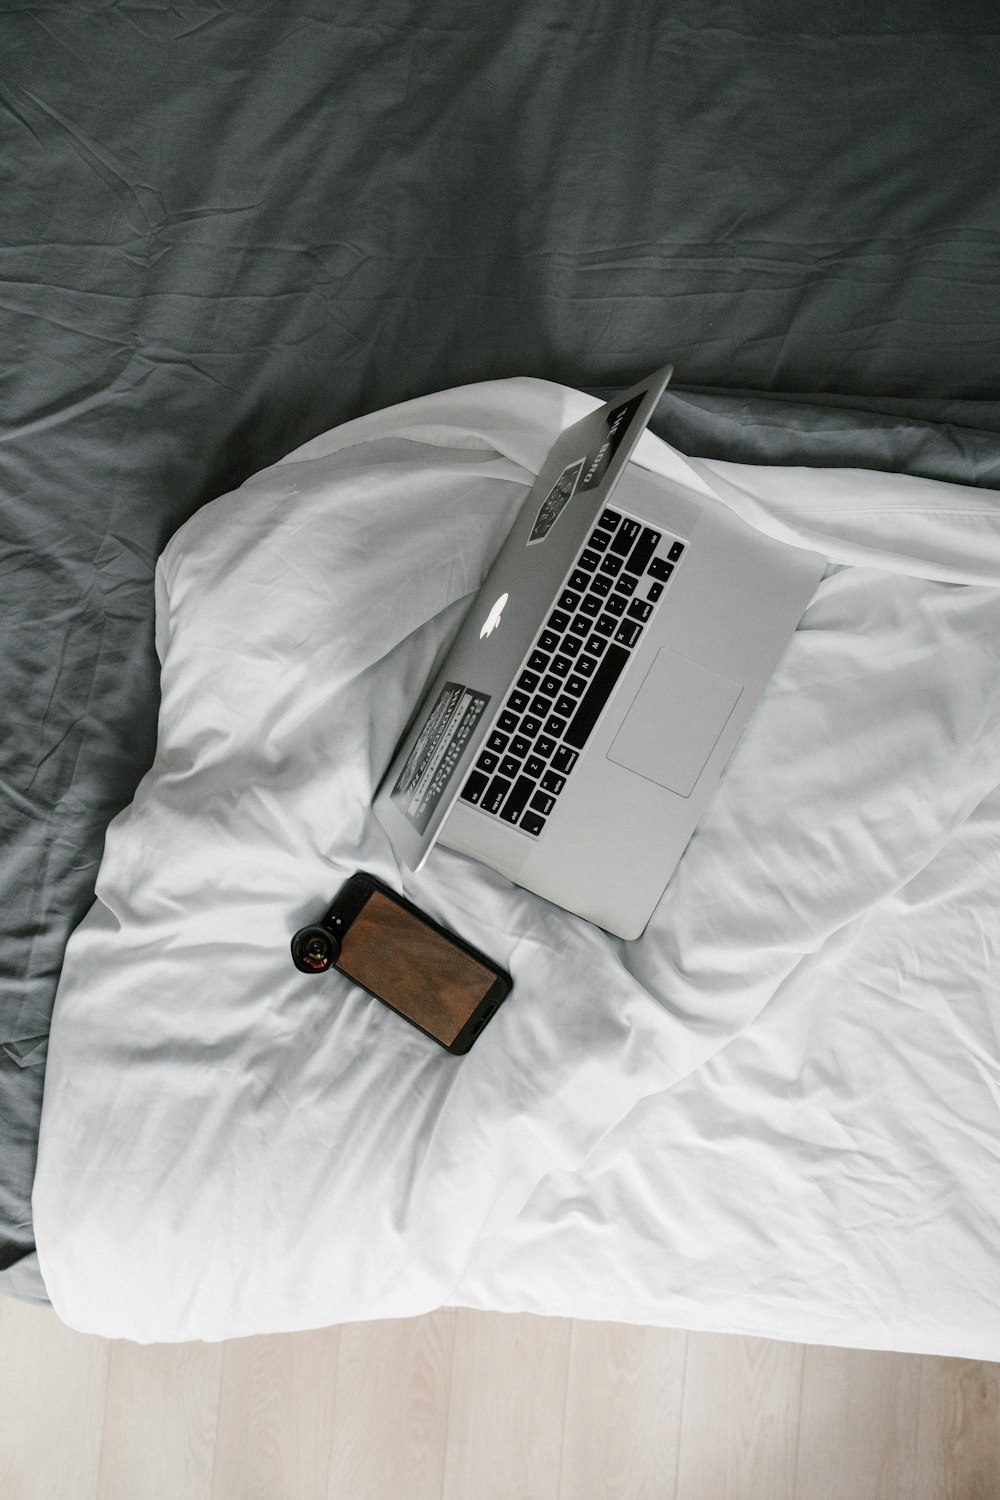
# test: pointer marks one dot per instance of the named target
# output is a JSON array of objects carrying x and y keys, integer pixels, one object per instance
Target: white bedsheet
[{"x": 775, "y": 1112}]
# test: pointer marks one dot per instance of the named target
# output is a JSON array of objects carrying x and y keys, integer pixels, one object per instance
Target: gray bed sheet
[{"x": 226, "y": 229}]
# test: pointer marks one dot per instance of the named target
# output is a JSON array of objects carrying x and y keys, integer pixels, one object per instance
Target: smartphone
[{"x": 435, "y": 980}]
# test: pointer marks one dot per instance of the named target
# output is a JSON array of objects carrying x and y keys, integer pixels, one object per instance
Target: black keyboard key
[
  {"x": 475, "y": 786},
  {"x": 557, "y": 620},
  {"x": 655, "y": 590},
  {"x": 510, "y": 765},
  {"x": 611, "y": 564},
  {"x": 609, "y": 519},
  {"x": 537, "y": 661},
  {"x": 543, "y": 802},
  {"x": 596, "y": 645},
  {"x": 591, "y": 605},
  {"x": 540, "y": 706},
  {"x": 571, "y": 645},
  {"x": 534, "y": 766},
  {"x": 643, "y": 551},
  {"x": 564, "y": 705},
  {"x": 494, "y": 794},
  {"x": 580, "y": 626},
  {"x": 605, "y": 625},
  {"x": 626, "y": 536},
  {"x": 560, "y": 665},
  {"x": 568, "y": 600},
  {"x": 596, "y": 696},
  {"x": 487, "y": 761},
  {"x": 601, "y": 586},
  {"x": 550, "y": 686},
  {"x": 586, "y": 666},
  {"x": 518, "y": 702},
  {"x": 528, "y": 681},
  {"x": 640, "y": 610},
  {"x": 553, "y": 783},
  {"x": 564, "y": 760},
  {"x": 628, "y": 632},
  {"x": 517, "y": 801},
  {"x": 554, "y": 725},
  {"x": 599, "y": 540},
  {"x": 576, "y": 685},
  {"x": 497, "y": 742},
  {"x": 533, "y": 823},
  {"x": 589, "y": 560},
  {"x": 530, "y": 726},
  {"x": 548, "y": 640},
  {"x": 507, "y": 721},
  {"x": 615, "y": 605},
  {"x": 625, "y": 584},
  {"x": 544, "y": 746},
  {"x": 578, "y": 580},
  {"x": 660, "y": 569},
  {"x": 519, "y": 746},
  {"x": 675, "y": 551}
]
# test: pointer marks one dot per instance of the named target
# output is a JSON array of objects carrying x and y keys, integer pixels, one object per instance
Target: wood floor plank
[
  {"x": 858, "y": 1426},
  {"x": 275, "y": 1417},
  {"x": 508, "y": 1397},
  {"x": 958, "y": 1431},
  {"x": 486, "y": 1406},
  {"x": 160, "y": 1412},
  {"x": 391, "y": 1410},
  {"x": 739, "y": 1419},
  {"x": 52, "y": 1389},
  {"x": 623, "y": 1412}
]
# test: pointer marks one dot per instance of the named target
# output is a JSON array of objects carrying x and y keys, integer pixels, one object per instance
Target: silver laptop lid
[{"x": 455, "y": 713}]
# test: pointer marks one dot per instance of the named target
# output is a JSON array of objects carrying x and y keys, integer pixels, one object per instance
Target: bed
[{"x": 228, "y": 242}]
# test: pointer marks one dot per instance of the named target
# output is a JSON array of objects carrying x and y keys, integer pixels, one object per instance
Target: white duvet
[{"x": 778, "y": 1111}]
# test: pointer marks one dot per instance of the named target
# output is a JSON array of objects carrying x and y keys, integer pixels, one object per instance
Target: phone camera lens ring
[{"x": 314, "y": 950}]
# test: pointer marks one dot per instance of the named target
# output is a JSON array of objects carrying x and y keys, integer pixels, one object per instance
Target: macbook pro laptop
[{"x": 600, "y": 680}]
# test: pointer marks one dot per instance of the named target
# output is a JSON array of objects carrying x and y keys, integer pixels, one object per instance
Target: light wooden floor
[{"x": 484, "y": 1406}]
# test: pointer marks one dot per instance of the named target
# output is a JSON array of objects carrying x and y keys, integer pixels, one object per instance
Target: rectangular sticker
[
  {"x": 619, "y": 420},
  {"x": 555, "y": 501},
  {"x": 431, "y": 763}
]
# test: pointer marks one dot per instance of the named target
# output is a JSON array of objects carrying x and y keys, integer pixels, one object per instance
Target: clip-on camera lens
[{"x": 315, "y": 949}]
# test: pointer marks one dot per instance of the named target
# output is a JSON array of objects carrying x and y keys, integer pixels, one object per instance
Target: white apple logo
[{"x": 493, "y": 618}]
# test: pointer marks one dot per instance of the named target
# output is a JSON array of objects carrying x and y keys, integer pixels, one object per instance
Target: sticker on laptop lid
[
  {"x": 619, "y": 421},
  {"x": 436, "y": 752},
  {"x": 555, "y": 502}
]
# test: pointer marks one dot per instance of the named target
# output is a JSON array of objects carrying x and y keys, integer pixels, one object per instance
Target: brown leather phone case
[{"x": 431, "y": 977}]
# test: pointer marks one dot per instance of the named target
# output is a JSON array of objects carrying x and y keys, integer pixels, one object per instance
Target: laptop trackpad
[{"x": 674, "y": 722}]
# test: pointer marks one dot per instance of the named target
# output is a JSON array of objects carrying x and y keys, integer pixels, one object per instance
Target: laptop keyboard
[{"x": 607, "y": 600}]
